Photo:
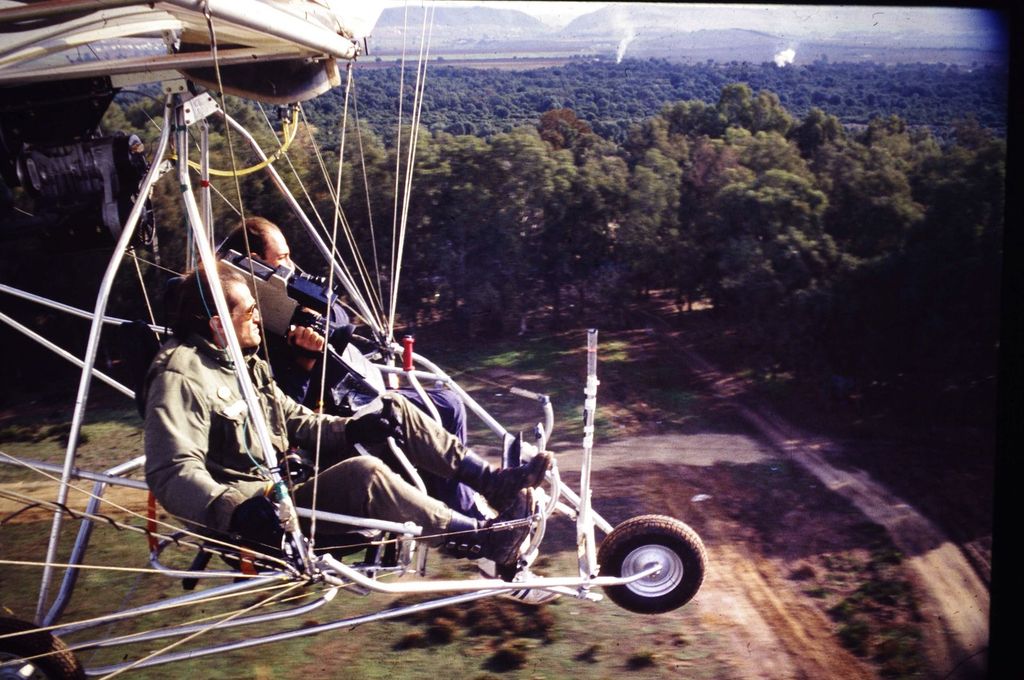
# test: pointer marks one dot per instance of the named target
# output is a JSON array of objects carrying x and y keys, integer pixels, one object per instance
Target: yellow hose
[{"x": 288, "y": 130}]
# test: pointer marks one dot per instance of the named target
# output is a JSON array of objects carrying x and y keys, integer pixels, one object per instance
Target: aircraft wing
[{"x": 58, "y": 40}]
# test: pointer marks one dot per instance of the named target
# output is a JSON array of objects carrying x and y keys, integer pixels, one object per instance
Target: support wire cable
[
  {"x": 356, "y": 297},
  {"x": 204, "y": 540},
  {"x": 366, "y": 190},
  {"x": 333, "y": 240},
  {"x": 388, "y": 333},
  {"x": 260, "y": 426},
  {"x": 142, "y": 283},
  {"x": 371, "y": 299},
  {"x": 203, "y": 631},
  {"x": 214, "y": 50},
  {"x": 370, "y": 295},
  {"x": 398, "y": 245}
]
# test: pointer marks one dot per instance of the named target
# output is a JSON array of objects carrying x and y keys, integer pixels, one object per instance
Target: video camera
[{"x": 291, "y": 298}]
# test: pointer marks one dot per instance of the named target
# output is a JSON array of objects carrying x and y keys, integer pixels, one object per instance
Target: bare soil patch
[{"x": 824, "y": 561}]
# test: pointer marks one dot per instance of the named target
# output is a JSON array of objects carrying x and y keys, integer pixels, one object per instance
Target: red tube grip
[{"x": 407, "y": 343}]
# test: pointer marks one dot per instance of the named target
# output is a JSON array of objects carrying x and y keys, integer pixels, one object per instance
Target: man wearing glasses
[
  {"x": 204, "y": 465},
  {"x": 295, "y": 363}
]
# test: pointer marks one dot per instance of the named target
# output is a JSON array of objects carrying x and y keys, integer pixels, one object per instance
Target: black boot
[
  {"x": 501, "y": 486},
  {"x": 497, "y": 539}
]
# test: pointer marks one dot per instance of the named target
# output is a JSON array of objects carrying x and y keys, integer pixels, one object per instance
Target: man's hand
[
  {"x": 375, "y": 428},
  {"x": 309, "y": 341},
  {"x": 295, "y": 468},
  {"x": 256, "y": 524}
]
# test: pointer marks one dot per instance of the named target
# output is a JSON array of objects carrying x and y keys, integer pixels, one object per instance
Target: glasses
[{"x": 249, "y": 313}]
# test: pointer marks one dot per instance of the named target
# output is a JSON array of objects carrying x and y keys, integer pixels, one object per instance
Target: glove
[
  {"x": 294, "y": 467},
  {"x": 256, "y": 524},
  {"x": 374, "y": 428}
]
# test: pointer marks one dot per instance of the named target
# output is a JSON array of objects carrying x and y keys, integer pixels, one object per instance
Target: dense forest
[
  {"x": 865, "y": 253},
  {"x": 612, "y": 97}
]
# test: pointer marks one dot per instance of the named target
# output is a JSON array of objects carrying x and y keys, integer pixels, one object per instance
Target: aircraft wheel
[
  {"x": 640, "y": 542},
  {"x": 35, "y": 655}
]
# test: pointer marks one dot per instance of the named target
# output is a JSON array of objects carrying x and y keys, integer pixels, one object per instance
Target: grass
[
  {"x": 875, "y": 610},
  {"x": 854, "y": 633},
  {"x": 36, "y": 432},
  {"x": 492, "y": 637},
  {"x": 640, "y": 391},
  {"x": 642, "y": 384},
  {"x": 109, "y": 435},
  {"x": 634, "y": 388},
  {"x": 508, "y": 657},
  {"x": 898, "y": 652}
]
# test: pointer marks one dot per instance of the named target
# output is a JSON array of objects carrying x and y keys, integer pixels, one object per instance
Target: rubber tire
[
  {"x": 653, "y": 534},
  {"x": 60, "y": 662}
]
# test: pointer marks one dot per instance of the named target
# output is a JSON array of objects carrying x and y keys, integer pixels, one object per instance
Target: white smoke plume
[
  {"x": 623, "y": 44},
  {"x": 624, "y": 23},
  {"x": 784, "y": 57}
]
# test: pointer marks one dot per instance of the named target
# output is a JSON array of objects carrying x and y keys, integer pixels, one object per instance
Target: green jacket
[{"x": 198, "y": 437}]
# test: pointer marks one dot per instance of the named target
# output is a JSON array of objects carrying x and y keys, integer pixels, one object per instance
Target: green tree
[
  {"x": 562, "y": 129},
  {"x": 816, "y": 130},
  {"x": 871, "y": 206},
  {"x": 651, "y": 223},
  {"x": 765, "y": 151},
  {"x": 451, "y": 210},
  {"x": 775, "y": 246},
  {"x": 711, "y": 165},
  {"x": 737, "y": 107},
  {"x": 577, "y": 245}
]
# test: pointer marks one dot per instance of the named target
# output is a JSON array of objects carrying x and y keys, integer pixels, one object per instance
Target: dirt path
[
  {"x": 773, "y": 630},
  {"x": 766, "y": 626},
  {"x": 955, "y": 600}
]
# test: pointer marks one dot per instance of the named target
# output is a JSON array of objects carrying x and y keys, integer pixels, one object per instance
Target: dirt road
[
  {"x": 754, "y": 605},
  {"x": 956, "y": 602},
  {"x": 773, "y": 628}
]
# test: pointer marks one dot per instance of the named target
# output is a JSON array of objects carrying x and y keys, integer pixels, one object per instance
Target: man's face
[
  {"x": 276, "y": 252},
  {"x": 245, "y": 316}
]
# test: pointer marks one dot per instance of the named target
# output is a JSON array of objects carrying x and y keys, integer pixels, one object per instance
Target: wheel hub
[{"x": 661, "y": 582}]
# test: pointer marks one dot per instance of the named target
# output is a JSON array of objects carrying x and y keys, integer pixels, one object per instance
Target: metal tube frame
[
  {"x": 335, "y": 575},
  {"x": 586, "y": 546},
  {"x": 74, "y": 311},
  {"x": 64, "y": 354},
  {"x": 90, "y": 357},
  {"x": 329, "y": 572},
  {"x": 84, "y": 534},
  {"x": 325, "y": 251},
  {"x": 286, "y": 508},
  {"x": 185, "y": 599},
  {"x": 104, "y": 478}
]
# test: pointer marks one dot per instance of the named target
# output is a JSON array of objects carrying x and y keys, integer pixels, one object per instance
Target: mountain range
[{"x": 681, "y": 33}]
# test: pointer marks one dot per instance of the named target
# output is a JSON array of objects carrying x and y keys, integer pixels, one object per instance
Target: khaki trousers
[{"x": 365, "y": 486}]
